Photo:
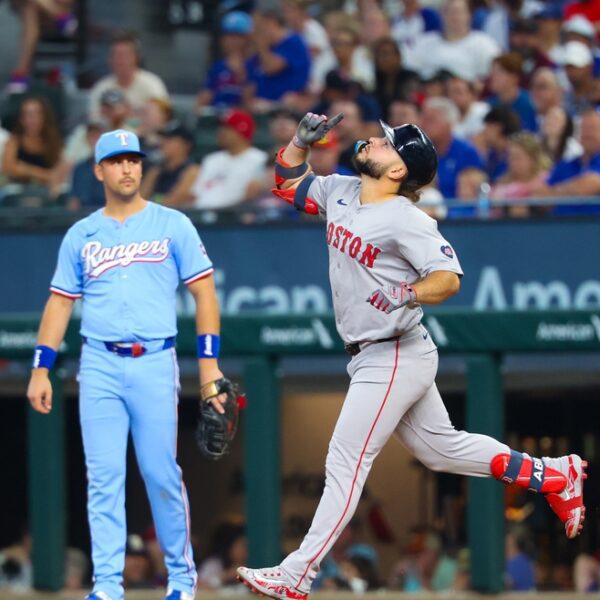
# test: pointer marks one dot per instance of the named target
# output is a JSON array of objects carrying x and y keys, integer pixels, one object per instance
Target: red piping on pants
[{"x": 362, "y": 454}]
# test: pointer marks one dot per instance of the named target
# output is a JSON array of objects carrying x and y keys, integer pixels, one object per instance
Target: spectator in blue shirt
[
  {"x": 438, "y": 118},
  {"x": 414, "y": 20},
  {"x": 507, "y": 71},
  {"x": 579, "y": 176},
  {"x": 227, "y": 76},
  {"x": 520, "y": 574},
  {"x": 498, "y": 125},
  {"x": 281, "y": 64}
]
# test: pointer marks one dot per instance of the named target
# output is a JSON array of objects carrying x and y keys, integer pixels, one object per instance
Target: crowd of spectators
[{"x": 507, "y": 90}]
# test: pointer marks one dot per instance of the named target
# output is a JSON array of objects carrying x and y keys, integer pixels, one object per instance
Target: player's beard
[{"x": 368, "y": 167}]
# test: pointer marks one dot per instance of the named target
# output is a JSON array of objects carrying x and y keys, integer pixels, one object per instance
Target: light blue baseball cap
[
  {"x": 238, "y": 22},
  {"x": 119, "y": 141}
]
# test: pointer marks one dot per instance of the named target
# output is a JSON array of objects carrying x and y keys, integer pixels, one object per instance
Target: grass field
[{"x": 157, "y": 595}]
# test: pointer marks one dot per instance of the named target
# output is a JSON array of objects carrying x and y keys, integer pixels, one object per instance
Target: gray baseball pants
[{"x": 392, "y": 390}]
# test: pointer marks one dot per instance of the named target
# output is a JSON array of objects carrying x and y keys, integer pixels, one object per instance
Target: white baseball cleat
[
  {"x": 568, "y": 505},
  {"x": 270, "y": 582}
]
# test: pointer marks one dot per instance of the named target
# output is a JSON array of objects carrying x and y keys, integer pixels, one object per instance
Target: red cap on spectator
[
  {"x": 329, "y": 142},
  {"x": 241, "y": 121}
]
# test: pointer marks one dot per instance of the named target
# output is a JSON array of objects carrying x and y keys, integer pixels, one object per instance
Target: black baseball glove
[{"x": 215, "y": 431}]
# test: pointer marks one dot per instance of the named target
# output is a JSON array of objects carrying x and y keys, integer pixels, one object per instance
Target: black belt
[{"x": 354, "y": 349}]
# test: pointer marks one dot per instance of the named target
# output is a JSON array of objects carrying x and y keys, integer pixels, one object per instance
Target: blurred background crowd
[{"x": 507, "y": 90}]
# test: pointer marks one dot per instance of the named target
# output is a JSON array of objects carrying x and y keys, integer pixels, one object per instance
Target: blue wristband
[
  {"x": 44, "y": 357},
  {"x": 208, "y": 345}
]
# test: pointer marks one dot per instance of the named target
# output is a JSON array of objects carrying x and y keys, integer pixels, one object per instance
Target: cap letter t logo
[{"x": 123, "y": 137}]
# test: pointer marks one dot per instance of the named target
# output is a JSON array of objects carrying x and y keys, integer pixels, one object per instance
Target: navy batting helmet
[{"x": 416, "y": 150}]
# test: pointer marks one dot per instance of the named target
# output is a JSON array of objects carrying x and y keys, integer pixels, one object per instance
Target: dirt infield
[{"x": 157, "y": 595}]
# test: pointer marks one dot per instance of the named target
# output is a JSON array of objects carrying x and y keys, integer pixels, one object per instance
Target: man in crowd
[
  {"x": 439, "y": 117},
  {"x": 227, "y": 76},
  {"x": 281, "y": 64},
  {"x": 579, "y": 176},
  {"x": 137, "y": 84},
  {"x": 171, "y": 181},
  {"x": 234, "y": 174}
]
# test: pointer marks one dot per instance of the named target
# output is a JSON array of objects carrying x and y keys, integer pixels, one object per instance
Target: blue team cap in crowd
[
  {"x": 119, "y": 141},
  {"x": 237, "y": 21},
  {"x": 551, "y": 11}
]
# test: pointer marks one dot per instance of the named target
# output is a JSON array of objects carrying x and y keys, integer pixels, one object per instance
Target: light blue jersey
[
  {"x": 127, "y": 275},
  {"x": 128, "y": 272}
]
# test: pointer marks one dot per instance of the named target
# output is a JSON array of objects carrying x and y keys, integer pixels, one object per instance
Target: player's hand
[
  {"x": 213, "y": 375},
  {"x": 393, "y": 298},
  {"x": 313, "y": 127},
  {"x": 39, "y": 391}
]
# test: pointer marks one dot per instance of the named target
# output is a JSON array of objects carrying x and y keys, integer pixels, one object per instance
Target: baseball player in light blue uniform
[{"x": 125, "y": 262}]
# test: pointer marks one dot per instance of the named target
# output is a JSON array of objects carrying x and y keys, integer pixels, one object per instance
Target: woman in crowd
[
  {"x": 557, "y": 135},
  {"x": 392, "y": 81},
  {"x": 528, "y": 164},
  {"x": 33, "y": 151}
]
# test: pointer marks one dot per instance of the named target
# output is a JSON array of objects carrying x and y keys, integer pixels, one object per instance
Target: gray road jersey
[{"x": 376, "y": 246}]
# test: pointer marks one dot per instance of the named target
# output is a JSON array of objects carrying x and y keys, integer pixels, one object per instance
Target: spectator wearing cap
[
  {"x": 298, "y": 19},
  {"x": 590, "y": 9},
  {"x": 170, "y": 182},
  {"x": 137, "y": 571},
  {"x": 499, "y": 125},
  {"x": 86, "y": 191},
  {"x": 137, "y": 84},
  {"x": 115, "y": 113},
  {"x": 392, "y": 80},
  {"x": 235, "y": 173},
  {"x": 579, "y": 29},
  {"x": 465, "y": 96},
  {"x": 579, "y": 176},
  {"x": 439, "y": 117},
  {"x": 549, "y": 22},
  {"x": 458, "y": 49},
  {"x": 506, "y": 73},
  {"x": 579, "y": 69},
  {"x": 226, "y": 77},
  {"x": 525, "y": 41},
  {"x": 414, "y": 21},
  {"x": 280, "y": 66},
  {"x": 325, "y": 156}
]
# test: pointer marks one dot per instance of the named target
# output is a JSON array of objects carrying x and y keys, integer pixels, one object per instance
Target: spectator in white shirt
[
  {"x": 235, "y": 173},
  {"x": 352, "y": 58},
  {"x": 457, "y": 49},
  {"x": 137, "y": 84},
  {"x": 465, "y": 95}
]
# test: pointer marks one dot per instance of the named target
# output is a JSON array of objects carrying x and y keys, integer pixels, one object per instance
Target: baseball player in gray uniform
[{"x": 386, "y": 259}]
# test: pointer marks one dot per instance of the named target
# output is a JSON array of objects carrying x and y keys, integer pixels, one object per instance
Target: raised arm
[{"x": 293, "y": 174}]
